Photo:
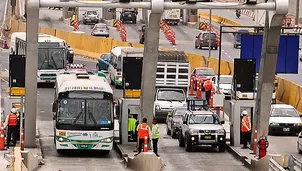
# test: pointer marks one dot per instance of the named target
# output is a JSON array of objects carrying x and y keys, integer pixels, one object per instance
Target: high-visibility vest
[
  {"x": 156, "y": 135},
  {"x": 245, "y": 124},
  {"x": 143, "y": 131},
  {"x": 12, "y": 119},
  {"x": 131, "y": 124},
  {"x": 208, "y": 85}
]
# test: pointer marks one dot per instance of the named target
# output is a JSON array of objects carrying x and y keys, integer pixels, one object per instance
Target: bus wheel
[
  {"x": 106, "y": 152},
  {"x": 60, "y": 151}
]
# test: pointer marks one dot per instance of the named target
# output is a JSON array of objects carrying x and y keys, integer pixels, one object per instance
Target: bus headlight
[
  {"x": 62, "y": 139},
  {"x": 157, "y": 107},
  {"x": 107, "y": 140}
]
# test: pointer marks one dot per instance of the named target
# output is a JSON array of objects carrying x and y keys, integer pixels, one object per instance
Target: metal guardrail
[
  {"x": 274, "y": 165},
  {"x": 286, "y": 163}
]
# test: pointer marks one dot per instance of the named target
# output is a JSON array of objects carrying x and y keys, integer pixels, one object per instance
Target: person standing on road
[
  {"x": 143, "y": 131},
  {"x": 245, "y": 128},
  {"x": 11, "y": 123},
  {"x": 208, "y": 85},
  {"x": 155, "y": 136}
]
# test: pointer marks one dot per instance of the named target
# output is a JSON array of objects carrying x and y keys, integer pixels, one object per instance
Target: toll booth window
[
  {"x": 284, "y": 112},
  {"x": 173, "y": 95}
]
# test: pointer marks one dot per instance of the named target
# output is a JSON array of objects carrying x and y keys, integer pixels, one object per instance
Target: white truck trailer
[{"x": 172, "y": 17}]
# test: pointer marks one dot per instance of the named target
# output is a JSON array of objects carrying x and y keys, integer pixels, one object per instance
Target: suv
[
  {"x": 203, "y": 40},
  {"x": 91, "y": 17},
  {"x": 129, "y": 14},
  {"x": 202, "y": 128},
  {"x": 142, "y": 34}
]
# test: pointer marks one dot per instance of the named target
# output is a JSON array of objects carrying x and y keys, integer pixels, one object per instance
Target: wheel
[
  {"x": 234, "y": 45},
  {"x": 199, "y": 47},
  {"x": 188, "y": 144},
  {"x": 173, "y": 133},
  {"x": 214, "y": 145},
  {"x": 141, "y": 41},
  {"x": 301, "y": 59},
  {"x": 84, "y": 22},
  {"x": 168, "y": 130},
  {"x": 196, "y": 47},
  {"x": 134, "y": 21},
  {"x": 221, "y": 147},
  {"x": 180, "y": 139},
  {"x": 215, "y": 47},
  {"x": 60, "y": 151}
]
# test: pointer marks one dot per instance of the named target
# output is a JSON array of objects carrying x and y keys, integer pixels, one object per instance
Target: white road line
[
  {"x": 230, "y": 57},
  {"x": 4, "y": 80},
  {"x": 6, "y": 70},
  {"x": 174, "y": 47}
]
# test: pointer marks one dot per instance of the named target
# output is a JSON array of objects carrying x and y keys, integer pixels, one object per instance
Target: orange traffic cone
[
  {"x": 2, "y": 139},
  {"x": 146, "y": 144},
  {"x": 22, "y": 139}
]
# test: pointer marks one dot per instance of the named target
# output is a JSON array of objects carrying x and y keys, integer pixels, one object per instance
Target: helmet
[
  {"x": 244, "y": 112},
  {"x": 13, "y": 110}
]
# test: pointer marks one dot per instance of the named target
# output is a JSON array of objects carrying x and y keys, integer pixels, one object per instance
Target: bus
[
  {"x": 83, "y": 113},
  {"x": 52, "y": 55}
]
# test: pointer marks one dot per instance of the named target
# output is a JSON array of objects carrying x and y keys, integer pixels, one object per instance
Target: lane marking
[
  {"x": 4, "y": 80},
  {"x": 230, "y": 57},
  {"x": 6, "y": 70}
]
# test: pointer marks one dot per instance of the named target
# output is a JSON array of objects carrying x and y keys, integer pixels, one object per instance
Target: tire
[
  {"x": 300, "y": 59},
  {"x": 168, "y": 131},
  {"x": 173, "y": 134},
  {"x": 199, "y": 47},
  {"x": 134, "y": 21},
  {"x": 60, "y": 151},
  {"x": 234, "y": 46},
  {"x": 221, "y": 147},
  {"x": 84, "y": 22},
  {"x": 188, "y": 144},
  {"x": 180, "y": 139},
  {"x": 215, "y": 47},
  {"x": 214, "y": 146},
  {"x": 141, "y": 41}
]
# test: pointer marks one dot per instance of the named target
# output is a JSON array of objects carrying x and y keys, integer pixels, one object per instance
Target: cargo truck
[{"x": 172, "y": 17}]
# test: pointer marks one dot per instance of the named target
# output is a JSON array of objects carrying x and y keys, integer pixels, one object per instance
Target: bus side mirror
[{"x": 54, "y": 106}]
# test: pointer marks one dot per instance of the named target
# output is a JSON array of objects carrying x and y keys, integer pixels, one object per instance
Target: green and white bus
[{"x": 83, "y": 113}]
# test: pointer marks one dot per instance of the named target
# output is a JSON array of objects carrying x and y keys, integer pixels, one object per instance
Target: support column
[
  {"x": 32, "y": 30},
  {"x": 65, "y": 12},
  {"x": 297, "y": 12},
  {"x": 150, "y": 60},
  {"x": 267, "y": 70},
  {"x": 185, "y": 15}
]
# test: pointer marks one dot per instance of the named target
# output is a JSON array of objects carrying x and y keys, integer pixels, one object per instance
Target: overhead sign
[
  {"x": 84, "y": 88},
  {"x": 287, "y": 62}
]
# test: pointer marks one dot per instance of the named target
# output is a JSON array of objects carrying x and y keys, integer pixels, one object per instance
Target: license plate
[
  {"x": 244, "y": 95},
  {"x": 207, "y": 137},
  {"x": 286, "y": 129},
  {"x": 84, "y": 146}
]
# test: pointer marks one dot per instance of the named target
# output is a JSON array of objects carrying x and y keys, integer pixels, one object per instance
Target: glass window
[
  {"x": 205, "y": 72},
  {"x": 70, "y": 109},
  {"x": 52, "y": 59},
  {"x": 92, "y": 13},
  {"x": 208, "y": 36},
  {"x": 180, "y": 112},
  {"x": 204, "y": 119},
  {"x": 171, "y": 95},
  {"x": 98, "y": 111},
  {"x": 284, "y": 112},
  {"x": 226, "y": 80}
]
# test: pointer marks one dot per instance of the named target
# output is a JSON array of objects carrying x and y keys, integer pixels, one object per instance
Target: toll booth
[{"x": 236, "y": 108}]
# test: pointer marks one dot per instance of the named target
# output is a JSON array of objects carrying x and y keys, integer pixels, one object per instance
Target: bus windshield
[
  {"x": 88, "y": 112},
  {"x": 51, "y": 58}
]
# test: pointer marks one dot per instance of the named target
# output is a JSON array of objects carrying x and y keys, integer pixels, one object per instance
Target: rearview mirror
[
  {"x": 222, "y": 122},
  {"x": 54, "y": 106}
]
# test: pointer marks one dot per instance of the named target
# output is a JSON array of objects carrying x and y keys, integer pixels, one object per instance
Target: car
[
  {"x": 129, "y": 14},
  {"x": 284, "y": 119},
  {"x": 299, "y": 143},
  {"x": 173, "y": 120},
  {"x": 225, "y": 84},
  {"x": 203, "y": 40},
  {"x": 142, "y": 34},
  {"x": 100, "y": 29},
  {"x": 202, "y": 127},
  {"x": 237, "y": 37},
  {"x": 103, "y": 62},
  {"x": 91, "y": 17},
  {"x": 202, "y": 73}
]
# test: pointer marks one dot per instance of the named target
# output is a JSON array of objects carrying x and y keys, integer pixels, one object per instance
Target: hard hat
[
  {"x": 13, "y": 110},
  {"x": 244, "y": 112}
]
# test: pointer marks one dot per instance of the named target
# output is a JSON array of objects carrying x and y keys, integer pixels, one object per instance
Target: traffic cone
[
  {"x": 146, "y": 144},
  {"x": 2, "y": 139},
  {"x": 22, "y": 139}
]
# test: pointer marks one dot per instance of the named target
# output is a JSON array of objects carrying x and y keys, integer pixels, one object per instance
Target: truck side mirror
[{"x": 54, "y": 106}]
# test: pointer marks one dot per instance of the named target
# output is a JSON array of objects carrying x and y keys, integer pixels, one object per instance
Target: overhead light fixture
[{"x": 251, "y": 2}]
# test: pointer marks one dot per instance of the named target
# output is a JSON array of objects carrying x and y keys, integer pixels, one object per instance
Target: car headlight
[
  {"x": 220, "y": 131},
  {"x": 119, "y": 79},
  {"x": 194, "y": 131},
  {"x": 274, "y": 124},
  {"x": 176, "y": 123},
  {"x": 107, "y": 140},
  {"x": 62, "y": 139},
  {"x": 157, "y": 107},
  {"x": 298, "y": 124}
]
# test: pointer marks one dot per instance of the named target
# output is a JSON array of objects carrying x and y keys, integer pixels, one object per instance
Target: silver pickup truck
[{"x": 202, "y": 128}]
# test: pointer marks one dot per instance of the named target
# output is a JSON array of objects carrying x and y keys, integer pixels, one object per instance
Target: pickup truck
[{"x": 202, "y": 127}]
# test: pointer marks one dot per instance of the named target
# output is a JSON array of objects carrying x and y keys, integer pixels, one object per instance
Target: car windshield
[
  {"x": 205, "y": 72},
  {"x": 51, "y": 58},
  {"x": 106, "y": 56},
  {"x": 129, "y": 10},
  {"x": 284, "y": 112},
  {"x": 77, "y": 71},
  {"x": 203, "y": 119},
  {"x": 101, "y": 26},
  {"x": 208, "y": 36},
  {"x": 226, "y": 80},
  {"x": 92, "y": 13},
  {"x": 84, "y": 112},
  {"x": 171, "y": 95},
  {"x": 180, "y": 112}
]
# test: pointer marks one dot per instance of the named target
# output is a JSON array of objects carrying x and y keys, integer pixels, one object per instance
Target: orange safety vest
[
  {"x": 208, "y": 85},
  {"x": 143, "y": 131},
  {"x": 12, "y": 120},
  {"x": 245, "y": 124}
]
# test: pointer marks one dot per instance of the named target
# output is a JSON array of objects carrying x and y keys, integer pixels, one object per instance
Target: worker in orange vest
[
  {"x": 208, "y": 85},
  {"x": 11, "y": 123},
  {"x": 245, "y": 128},
  {"x": 143, "y": 131}
]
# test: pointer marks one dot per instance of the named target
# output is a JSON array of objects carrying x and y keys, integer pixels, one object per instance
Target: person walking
[
  {"x": 208, "y": 86},
  {"x": 245, "y": 128},
  {"x": 143, "y": 131},
  {"x": 155, "y": 136},
  {"x": 11, "y": 123}
]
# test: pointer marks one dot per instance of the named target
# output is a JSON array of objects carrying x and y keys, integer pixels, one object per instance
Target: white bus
[
  {"x": 52, "y": 55},
  {"x": 83, "y": 113}
]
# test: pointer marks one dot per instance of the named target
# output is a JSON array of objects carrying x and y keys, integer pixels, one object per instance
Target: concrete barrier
[{"x": 146, "y": 161}]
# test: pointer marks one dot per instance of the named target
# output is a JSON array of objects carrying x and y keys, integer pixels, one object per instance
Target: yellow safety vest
[{"x": 156, "y": 135}]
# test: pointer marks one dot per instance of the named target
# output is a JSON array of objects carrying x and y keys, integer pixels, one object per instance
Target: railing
[
  {"x": 288, "y": 163},
  {"x": 274, "y": 165}
]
